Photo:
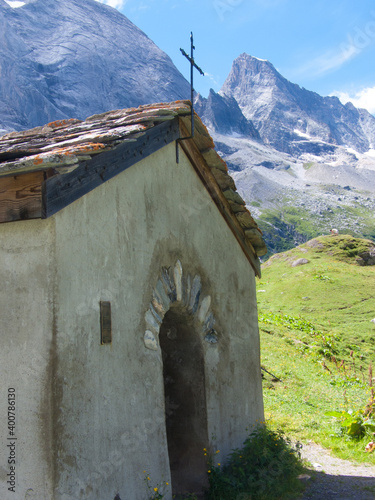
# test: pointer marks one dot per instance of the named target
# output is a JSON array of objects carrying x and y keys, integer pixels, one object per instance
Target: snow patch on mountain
[{"x": 15, "y": 4}]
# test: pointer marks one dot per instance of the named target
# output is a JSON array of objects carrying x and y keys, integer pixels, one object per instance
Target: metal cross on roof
[{"x": 192, "y": 66}]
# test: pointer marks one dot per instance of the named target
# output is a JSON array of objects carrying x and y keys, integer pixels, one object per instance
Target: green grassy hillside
[
  {"x": 288, "y": 226},
  {"x": 317, "y": 337}
]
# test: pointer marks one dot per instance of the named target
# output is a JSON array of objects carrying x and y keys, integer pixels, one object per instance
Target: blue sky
[{"x": 327, "y": 46}]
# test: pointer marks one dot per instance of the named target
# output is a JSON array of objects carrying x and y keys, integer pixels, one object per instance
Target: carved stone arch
[
  {"x": 175, "y": 286},
  {"x": 178, "y": 321}
]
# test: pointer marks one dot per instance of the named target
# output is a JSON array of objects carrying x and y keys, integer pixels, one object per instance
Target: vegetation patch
[
  {"x": 346, "y": 248},
  {"x": 284, "y": 229},
  {"x": 288, "y": 226},
  {"x": 308, "y": 165},
  {"x": 318, "y": 341},
  {"x": 265, "y": 468}
]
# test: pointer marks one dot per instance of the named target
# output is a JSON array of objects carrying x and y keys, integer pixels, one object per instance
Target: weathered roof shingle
[{"x": 62, "y": 146}]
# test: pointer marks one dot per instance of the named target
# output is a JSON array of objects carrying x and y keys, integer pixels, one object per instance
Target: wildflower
[
  {"x": 218, "y": 464},
  {"x": 167, "y": 484},
  {"x": 209, "y": 471},
  {"x": 218, "y": 451},
  {"x": 155, "y": 489}
]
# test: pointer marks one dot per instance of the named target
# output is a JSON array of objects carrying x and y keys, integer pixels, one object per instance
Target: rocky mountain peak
[
  {"x": 293, "y": 119},
  {"x": 73, "y": 58},
  {"x": 247, "y": 70}
]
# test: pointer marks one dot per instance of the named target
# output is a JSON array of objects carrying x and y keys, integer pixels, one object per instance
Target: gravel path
[{"x": 336, "y": 479}]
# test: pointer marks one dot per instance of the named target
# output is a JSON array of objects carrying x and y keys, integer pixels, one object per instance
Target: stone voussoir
[
  {"x": 168, "y": 283},
  {"x": 152, "y": 323},
  {"x": 161, "y": 295},
  {"x": 150, "y": 341},
  {"x": 204, "y": 308},
  {"x": 186, "y": 280},
  {"x": 177, "y": 275},
  {"x": 209, "y": 322},
  {"x": 195, "y": 294}
]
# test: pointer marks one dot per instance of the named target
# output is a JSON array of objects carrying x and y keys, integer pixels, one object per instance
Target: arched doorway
[{"x": 185, "y": 401}]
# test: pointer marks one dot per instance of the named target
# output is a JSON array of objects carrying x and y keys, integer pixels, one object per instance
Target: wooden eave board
[{"x": 21, "y": 197}]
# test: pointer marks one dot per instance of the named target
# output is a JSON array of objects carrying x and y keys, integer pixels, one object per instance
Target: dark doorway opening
[{"x": 185, "y": 402}]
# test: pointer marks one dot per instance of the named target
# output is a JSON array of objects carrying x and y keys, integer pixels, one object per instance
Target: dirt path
[{"x": 335, "y": 479}]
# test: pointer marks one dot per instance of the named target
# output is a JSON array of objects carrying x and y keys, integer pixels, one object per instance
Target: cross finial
[{"x": 192, "y": 66}]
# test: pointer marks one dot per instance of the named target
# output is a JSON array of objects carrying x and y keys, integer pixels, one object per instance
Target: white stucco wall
[
  {"x": 108, "y": 405},
  {"x": 111, "y": 245},
  {"x": 27, "y": 350}
]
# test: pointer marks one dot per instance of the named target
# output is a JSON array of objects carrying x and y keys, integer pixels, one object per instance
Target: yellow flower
[
  {"x": 218, "y": 464},
  {"x": 148, "y": 479},
  {"x": 218, "y": 451},
  {"x": 155, "y": 489},
  {"x": 209, "y": 471},
  {"x": 167, "y": 484}
]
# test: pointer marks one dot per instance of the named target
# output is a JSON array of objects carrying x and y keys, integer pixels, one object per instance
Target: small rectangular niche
[{"x": 105, "y": 323}]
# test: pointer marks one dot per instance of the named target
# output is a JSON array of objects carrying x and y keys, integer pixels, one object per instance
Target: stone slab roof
[{"x": 71, "y": 150}]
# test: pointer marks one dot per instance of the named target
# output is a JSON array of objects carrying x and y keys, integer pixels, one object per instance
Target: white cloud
[
  {"x": 117, "y": 4},
  {"x": 364, "y": 98},
  {"x": 213, "y": 80},
  {"x": 329, "y": 61}
]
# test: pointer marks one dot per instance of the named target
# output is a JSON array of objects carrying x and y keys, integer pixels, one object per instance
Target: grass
[
  {"x": 287, "y": 226},
  {"x": 316, "y": 336},
  {"x": 281, "y": 228}
]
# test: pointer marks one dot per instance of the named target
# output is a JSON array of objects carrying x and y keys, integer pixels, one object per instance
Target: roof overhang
[{"x": 45, "y": 169}]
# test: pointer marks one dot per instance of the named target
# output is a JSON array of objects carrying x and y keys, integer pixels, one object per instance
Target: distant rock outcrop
[
  {"x": 366, "y": 258},
  {"x": 224, "y": 115}
]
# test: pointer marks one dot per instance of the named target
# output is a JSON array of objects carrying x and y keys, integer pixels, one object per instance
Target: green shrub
[
  {"x": 354, "y": 424},
  {"x": 265, "y": 468}
]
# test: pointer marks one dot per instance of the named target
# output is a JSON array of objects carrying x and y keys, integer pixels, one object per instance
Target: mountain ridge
[
  {"x": 280, "y": 109},
  {"x": 302, "y": 162},
  {"x": 313, "y": 166},
  {"x": 72, "y": 59}
]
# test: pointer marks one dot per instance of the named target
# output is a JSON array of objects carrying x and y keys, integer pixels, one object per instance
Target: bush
[{"x": 266, "y": 468}]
